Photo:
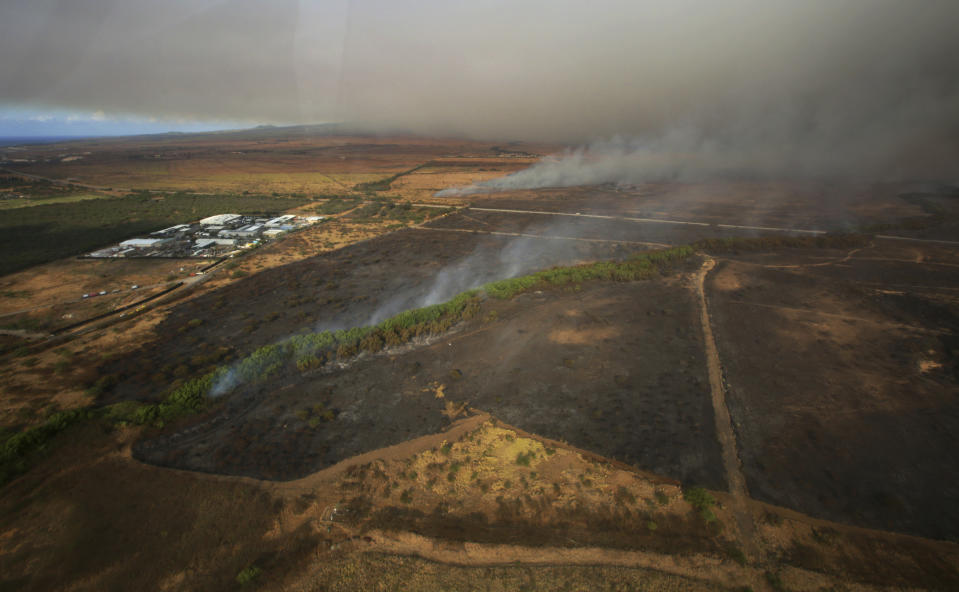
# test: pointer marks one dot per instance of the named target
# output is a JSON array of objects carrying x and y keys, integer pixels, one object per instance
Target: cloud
[{"x": 846, "y": 81}]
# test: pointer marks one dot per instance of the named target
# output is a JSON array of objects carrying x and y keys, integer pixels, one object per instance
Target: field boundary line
[
  {"x": 735, "y": 479},
  {"x": 542, "y": 236}
]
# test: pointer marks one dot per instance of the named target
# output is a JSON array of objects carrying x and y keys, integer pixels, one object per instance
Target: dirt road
[{"x": 724, "y": 427}]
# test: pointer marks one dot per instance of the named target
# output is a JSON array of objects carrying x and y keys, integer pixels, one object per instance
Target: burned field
[
  {"x": 842, "y": 375},
  {"x": 614, "y": 369},
  {"x": 358, "y": 285},
  {"x": 829, "y": 356},
  {"x": 617, "y": 370}
]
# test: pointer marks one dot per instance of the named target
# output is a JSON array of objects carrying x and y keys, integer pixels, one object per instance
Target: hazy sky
[{"x": 863, "y": 75}]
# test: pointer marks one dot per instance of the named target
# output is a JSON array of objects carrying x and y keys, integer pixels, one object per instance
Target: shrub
[
  {"x": 624, "y": 495},
  {"x": 775, "y": 582},
  {"x": 18, "y": 448},
  {"x": 248, "y": 575},
  {"x": 102, "y": 384},
  {"x": 772, "y": 518},
  {"x": 703, "y": 501},
  {"x": 737, "y": 555}
]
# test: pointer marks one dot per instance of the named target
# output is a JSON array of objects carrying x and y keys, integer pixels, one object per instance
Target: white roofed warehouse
[
  {"x": 144, "y": 243},
  {"x": 220, "y": 219}
]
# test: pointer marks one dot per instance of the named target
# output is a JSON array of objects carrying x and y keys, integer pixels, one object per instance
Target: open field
[
  {"x": 265, "y": 161},
  {"x": 527, "y": 433},
  {"x": 10, "y": 204}
]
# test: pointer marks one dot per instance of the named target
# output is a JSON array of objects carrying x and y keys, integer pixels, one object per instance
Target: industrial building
[
  {"x": 214, "y": 236},
  {"x": 219, "y": 219},
  {"x": 144, "y": 243}
]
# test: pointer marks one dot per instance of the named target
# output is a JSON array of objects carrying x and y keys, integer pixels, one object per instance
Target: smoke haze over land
[{"x": 817, "y": 87}]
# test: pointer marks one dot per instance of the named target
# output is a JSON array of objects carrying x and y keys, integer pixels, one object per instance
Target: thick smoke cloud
[{"x": 846, "y": 86}]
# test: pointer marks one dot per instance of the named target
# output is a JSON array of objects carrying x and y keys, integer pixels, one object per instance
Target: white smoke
[
  {"x": 687, "y": 154},
  {"x": 225, "y": 383},
  {"x": 498, "y": 261}
]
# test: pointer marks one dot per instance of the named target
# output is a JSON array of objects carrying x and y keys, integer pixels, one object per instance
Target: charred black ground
[{"x": 840, "y": 362}]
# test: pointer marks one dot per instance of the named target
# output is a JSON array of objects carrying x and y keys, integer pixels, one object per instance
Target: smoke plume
[{"x": 813, "y": 87}]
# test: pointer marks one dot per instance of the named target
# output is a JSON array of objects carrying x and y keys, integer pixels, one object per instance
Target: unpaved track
[
  {"x": 724, "y": 428},
  {"x": 698, "y": 567},
  {"x": 832, "y": 261},
  {"x": 708, "y": 569}
]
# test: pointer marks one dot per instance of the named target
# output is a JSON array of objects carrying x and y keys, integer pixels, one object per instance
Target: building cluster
[{"x": 215, "y": 236}]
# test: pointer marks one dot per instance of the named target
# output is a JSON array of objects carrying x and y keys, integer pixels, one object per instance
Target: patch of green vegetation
[
  {"x": 661, "y": 497},
  {"x": 737, "y": 555},
  {"x": 624, "y": 496},
  {"x": 248, "y": 575},
  {"x": 642, "y": 266},
  {"x": 30, "y": 236},
  {"x": 402, "y": 212},
  {"x": 775, "y": 582},
  {"x": 188, "y": 398},
  {"x": 19, "y": 449},
  {"x": 703, "y": 501},
  {"x": 317, "y": 415},
  {"x": 384, "y": 184},
  {"x": 337, "y": 205},
  {"x": 101, "y": 385}
]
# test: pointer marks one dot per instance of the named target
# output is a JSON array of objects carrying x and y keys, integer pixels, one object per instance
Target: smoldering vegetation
[
  {"x": 577, "y": 365},
  {"x": 489, "y": 261},
  {"x": 356, "y": 286}
]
